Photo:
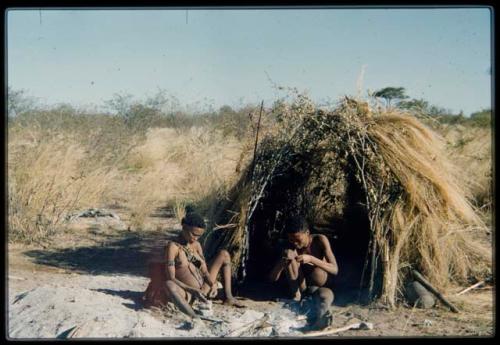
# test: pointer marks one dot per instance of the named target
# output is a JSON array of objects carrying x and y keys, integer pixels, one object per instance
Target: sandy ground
[{"x": 88, "y": 284}]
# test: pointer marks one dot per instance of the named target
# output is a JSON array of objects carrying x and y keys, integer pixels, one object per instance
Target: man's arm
[
  {"x": 287, "y": 257},
  {"x": 330, "y": 266},
  {"x": 172, "y": 252},
  {"x": 275, "y": 273}
]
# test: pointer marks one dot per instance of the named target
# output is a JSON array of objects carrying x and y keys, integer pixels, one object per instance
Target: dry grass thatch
[{"x": 419, "y": 212}]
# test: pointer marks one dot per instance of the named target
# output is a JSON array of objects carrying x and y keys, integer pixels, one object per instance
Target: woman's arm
[{"x": 204, "y": 267}]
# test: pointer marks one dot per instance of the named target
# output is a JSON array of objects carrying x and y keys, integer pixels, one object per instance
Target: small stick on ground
[
  {"x": 358, "y": 325},
  {"x": 470, "y": 288}
]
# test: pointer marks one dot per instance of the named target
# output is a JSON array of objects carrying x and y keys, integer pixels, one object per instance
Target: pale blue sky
[{"x": 221, "y": 56}]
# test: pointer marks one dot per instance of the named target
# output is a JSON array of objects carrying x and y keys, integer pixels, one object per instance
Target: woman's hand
[
  {"x": 199, "y": 295},
  {"x": 213, "y": 291}
]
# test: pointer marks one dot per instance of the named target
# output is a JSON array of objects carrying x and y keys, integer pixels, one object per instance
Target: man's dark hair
[
  {"x": 192, "y": 218},
  {"x": 295, "y": 224}
]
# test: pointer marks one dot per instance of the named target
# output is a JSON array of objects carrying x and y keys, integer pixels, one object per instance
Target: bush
[{"x": 481, "y": 118}]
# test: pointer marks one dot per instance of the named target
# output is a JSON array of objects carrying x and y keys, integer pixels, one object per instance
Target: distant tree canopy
[
  {"x": 414, "y": 104},
  {"x": 482, "y": 118},
  {"x": 391, "y": 93},
  {"x": 19, "y": 102}
]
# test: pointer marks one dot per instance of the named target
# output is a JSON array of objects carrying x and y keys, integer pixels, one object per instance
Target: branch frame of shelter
[{"x": 407, "y": 190}]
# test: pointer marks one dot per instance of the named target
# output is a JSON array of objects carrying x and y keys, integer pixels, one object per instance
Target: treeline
[
  {"x": 124, "y": 113},
  {"x": 396, "y": 97}
]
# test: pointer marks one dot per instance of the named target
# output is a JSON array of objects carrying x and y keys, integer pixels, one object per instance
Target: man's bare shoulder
[{"x": 320, "y": 238}]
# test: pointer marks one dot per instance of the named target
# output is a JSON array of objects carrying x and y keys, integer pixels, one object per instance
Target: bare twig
[
  {"x": 328, "y": 331},
  {"x": 257, "y": 137},
  {"x": 226, "y": 226},
  {"x": 470, "y": 288}
]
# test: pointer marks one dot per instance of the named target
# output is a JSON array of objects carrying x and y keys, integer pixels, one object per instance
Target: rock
[{"x": 419, "y": 296}]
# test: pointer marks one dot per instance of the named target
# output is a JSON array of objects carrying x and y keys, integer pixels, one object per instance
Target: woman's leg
[
  {"x": 223, "y": 261},
  {"x": 179, "y": 297}
]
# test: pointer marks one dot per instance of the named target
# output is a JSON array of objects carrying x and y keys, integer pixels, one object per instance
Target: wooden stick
[
  {"x": 257, "y": 136},
  {"x": 429, "y": 287},
  {"x": 17, "y": 278},
  {"x": 358, "y": 325},
  {"x": 471, "y": 287},
  {"x": 210, "y": 319}
]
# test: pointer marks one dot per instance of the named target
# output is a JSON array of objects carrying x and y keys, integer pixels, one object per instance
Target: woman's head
[{"x": 193, "y": 226}]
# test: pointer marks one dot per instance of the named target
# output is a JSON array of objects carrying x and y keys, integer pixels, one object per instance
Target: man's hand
[
  {"x": 289, "y": 255},
  {"x": 305, "y": 258},
  {"x": 213, "y": 291}
]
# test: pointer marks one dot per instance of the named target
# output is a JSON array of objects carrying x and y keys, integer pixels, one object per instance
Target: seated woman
[
  {"x": 185, "y": 276},
  {"x": 309, "y": 266}
]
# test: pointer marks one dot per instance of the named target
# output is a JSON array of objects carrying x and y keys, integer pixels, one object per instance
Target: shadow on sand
[
  {"x": 133, "y": 296},
  {"x": 127, "y": 253}
]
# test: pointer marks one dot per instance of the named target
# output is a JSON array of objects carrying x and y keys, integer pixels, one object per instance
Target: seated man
[
  {"x": 185, "y": 276},
  {"x": 309, "y": 266}
]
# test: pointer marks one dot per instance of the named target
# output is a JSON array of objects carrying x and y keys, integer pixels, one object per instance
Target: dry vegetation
[
  {"x": 62, "y": 160},
  {"x": 421, "y": 210}
]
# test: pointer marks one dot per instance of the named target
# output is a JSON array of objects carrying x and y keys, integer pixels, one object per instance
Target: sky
[{"x": 239, "y": 56}]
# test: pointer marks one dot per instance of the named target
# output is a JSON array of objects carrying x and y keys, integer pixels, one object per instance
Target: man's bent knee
[
  {"x": 318, "y": 277},
  {"x": 325, "y": 294}
]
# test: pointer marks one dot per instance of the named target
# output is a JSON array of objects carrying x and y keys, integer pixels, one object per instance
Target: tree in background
[
  {"x": 18, "y": 102},
  {"x": 481, "y": 118},
  {"x": 391, "y": 93},
  {"x": 418, "y": 105}
]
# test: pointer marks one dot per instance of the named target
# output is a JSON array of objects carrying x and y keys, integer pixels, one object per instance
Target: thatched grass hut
[{"x": 376, "y": 183}]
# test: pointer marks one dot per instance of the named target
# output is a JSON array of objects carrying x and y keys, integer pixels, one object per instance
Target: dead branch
[{"x": 431, "y": 288}]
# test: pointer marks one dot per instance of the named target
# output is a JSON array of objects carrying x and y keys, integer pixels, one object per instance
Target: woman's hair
[
  {"x": 192, "y": 218},
  {"x": 296, "y": 223}
]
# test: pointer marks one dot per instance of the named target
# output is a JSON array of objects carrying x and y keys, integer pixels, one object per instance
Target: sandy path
[{"x": 95, "y": 282}]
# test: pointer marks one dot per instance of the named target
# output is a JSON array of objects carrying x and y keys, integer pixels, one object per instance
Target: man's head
[
  {"x": 297, "y": 230},
  {"x": 193, "y": 226}
]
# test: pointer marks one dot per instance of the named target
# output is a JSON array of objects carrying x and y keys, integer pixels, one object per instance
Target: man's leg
[
  {"x": 318, "y": 277},
  {"x": 179, "y": 297},
  {"x": 322, "y": 299},
  {"x": 295, "y": 278},
  {"x": 223, "y": 260}
]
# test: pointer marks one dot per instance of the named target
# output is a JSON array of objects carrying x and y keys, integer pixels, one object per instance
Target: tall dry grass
[
  {"x": 469, "y": 148},
  {"x": 48, "y": 178},
  {"x": 180, "y": 167},
  {"x": 433, "y": 226},
  {"x": 57, "y": 167}
]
